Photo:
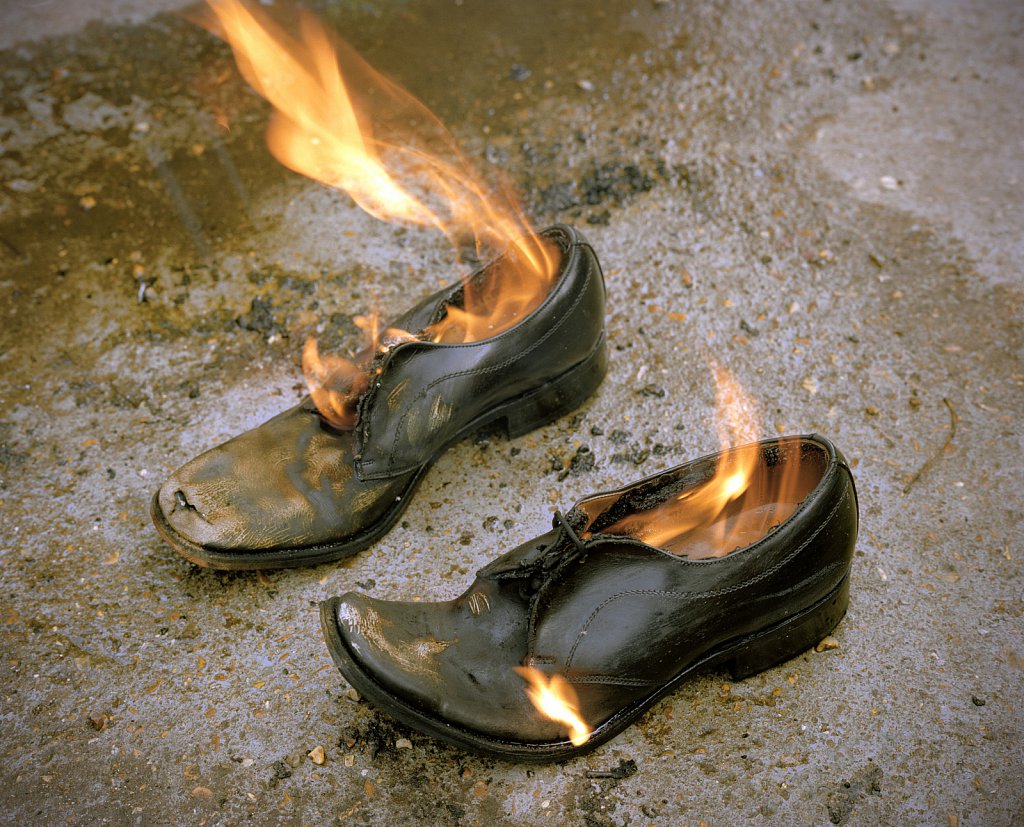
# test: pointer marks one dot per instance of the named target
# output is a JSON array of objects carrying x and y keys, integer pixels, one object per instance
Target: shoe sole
[
  {"x": 742, "y": 657},
  {"x": 519, "y": 416}
]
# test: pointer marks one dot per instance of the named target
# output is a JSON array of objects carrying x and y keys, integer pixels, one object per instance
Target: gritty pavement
[{"x": 824, "y": 196}]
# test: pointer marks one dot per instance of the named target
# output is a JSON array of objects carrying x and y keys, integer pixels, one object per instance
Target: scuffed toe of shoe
[
  {"x": 202, "y": 513},
  {"x": 395, "y": 644},
  {"x": 288, "y": 484},
  {"x": 437, "y": 658}
]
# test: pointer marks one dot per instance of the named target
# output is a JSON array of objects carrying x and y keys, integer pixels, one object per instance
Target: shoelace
[
  {"x": 553, "y": 555},
  {"x": 566, "y": 526}
]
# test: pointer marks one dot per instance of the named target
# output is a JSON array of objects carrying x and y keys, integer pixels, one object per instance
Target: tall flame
[
  {"x": 556, "y": 700},
  {"x": 696, "y": 514},
  {"x": 340, "y": 122}
]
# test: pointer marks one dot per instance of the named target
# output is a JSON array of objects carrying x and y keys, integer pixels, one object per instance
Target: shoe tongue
[
  {"x": 539, "y": 552},
  {"x": 520, "y": 559}
]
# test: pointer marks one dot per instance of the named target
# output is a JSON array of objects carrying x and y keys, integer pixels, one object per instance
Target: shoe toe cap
[
  {"x": 393, "y": 642},
  {"x": 423, "y": 658},
  {"x": 201, "y": 510},
  {"x": 233, "y": 497}
]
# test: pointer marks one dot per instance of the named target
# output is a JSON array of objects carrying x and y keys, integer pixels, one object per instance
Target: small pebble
[
  {"x": 585, "y": 85},
  {"x": 519, "y": 72},
  {"x": 403, "y": 743},
  {"x": 826, "y": 644},
  {"x": 316, "y": 755},
  {"x": 887, "y": 182},
  {"x": 977, "y": 701},
  {"x": 351, "y": 694},
  {"x": 350, "y": 760}
]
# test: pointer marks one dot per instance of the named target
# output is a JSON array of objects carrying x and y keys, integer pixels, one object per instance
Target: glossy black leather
[
  {"x": 296, "y": 491},
  {"x": 619, "y": 619}
]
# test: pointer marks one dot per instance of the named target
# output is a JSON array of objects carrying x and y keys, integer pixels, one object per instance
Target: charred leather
[
  {"x": 619, "y": 619},
  {"x": 296, "y": 491}
]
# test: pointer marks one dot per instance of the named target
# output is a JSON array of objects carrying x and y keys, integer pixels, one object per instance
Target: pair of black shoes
[{"x": 563, "y": 642}]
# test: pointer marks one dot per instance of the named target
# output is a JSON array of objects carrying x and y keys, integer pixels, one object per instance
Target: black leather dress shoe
[
  {"x": 297, "y": 491},
  {"x": 621, "y": 620}
]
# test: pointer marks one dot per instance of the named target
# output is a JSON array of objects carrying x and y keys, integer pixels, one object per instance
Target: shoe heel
[
  {"x": 559, "y": 396},
  {"x": 791, "y": 637}
]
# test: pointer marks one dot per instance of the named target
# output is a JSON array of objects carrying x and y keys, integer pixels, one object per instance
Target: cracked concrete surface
[{"x": 823, "y": 196}]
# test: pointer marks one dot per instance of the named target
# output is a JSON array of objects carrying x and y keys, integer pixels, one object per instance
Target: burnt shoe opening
[
  {"x": 679, "y": 513},
  {"x": 489, "y": 302},
  {"x": 496, "y": 297}
]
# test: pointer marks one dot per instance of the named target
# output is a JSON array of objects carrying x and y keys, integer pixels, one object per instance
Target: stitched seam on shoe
[
  {"x": 706, "y": 594},
  {"x": 609, "y": 679},
  {"x": 612, "y": 680},
  {"x": 479, "y": 371},
  {"x": 677, "y": 595}
]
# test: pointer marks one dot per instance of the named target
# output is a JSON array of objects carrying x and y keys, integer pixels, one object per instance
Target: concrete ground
[{"x": 824, "y": 196}]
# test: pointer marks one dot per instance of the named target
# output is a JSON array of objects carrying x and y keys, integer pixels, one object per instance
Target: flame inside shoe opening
[
  {"x": 489, "y": 303},
  {"x": 340, "y": 122},
  {"x": 780, "y": 479},
  {"x": 742, "y": 500}
]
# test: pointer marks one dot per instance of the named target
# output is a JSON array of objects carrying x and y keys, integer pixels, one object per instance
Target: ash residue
[
  {"x": 866, "y": 781},
  {"x": 634, "y": 454},
  {"x": 378, "y": 736},
  {"x": 604, "y": 185},
  {"x": 627, "y": 767},
  {"x": 260, "y": 318},
  {"x": 10, "y": 457},
  {"x": 579, "y": 463},
  {"x": 607, "y": 185}
]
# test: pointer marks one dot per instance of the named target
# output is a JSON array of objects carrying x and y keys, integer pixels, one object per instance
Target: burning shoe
[
  {"x": 298, "y": 490},
  {"x": 739, "y": 559}
]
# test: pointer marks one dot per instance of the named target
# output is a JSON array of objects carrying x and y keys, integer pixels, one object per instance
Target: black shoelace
[{"x": 554, "y": 555}]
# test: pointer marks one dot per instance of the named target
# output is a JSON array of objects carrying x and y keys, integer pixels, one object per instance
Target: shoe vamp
[
  {"x": 635, "y": 618},
  {"x": 288, "y": 483},
  {"x": 453, "y": 660}
]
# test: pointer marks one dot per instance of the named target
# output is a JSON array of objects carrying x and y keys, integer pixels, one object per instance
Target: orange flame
[
  {"x": 335, "y": 385},
  {"x": 340, "y": 122},
  {"x": 556, "y": 699},
  {"x": 696, "y": 520}
]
